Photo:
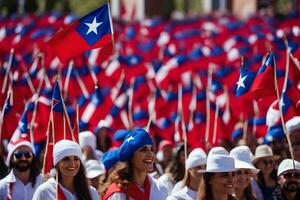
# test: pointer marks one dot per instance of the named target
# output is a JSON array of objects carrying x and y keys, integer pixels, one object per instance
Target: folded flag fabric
[{"x": 90, "y": 32}]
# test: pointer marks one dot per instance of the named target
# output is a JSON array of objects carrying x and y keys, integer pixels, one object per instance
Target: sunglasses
[
  {"x": 291, "y": 174},
  {"x": 25, "y": 154},
  {"x": 266, "y": 162}
]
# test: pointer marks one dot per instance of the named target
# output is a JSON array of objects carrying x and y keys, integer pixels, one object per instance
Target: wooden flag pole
[
  {"x": 279, "y": 105},
  {"x": 8, "y": 66},
  {"x": 208, "y": 105}
]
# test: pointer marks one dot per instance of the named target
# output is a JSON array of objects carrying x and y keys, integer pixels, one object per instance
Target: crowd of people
[{"x": 139, "y": 170}]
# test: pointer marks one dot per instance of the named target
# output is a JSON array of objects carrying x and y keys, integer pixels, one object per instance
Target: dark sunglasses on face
[
  {"x": 291, "y": 174},
  {"x": 266, "y": 162},
  {"x": 25, "y": 154}
]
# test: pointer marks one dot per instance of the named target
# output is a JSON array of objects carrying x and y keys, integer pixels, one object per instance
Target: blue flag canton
[
  {"x": 245, "y": 81},
  {"x": 95, "y": 25},
  {"x": 57, "y": 105},
  {"x": 23, "y": 123}
]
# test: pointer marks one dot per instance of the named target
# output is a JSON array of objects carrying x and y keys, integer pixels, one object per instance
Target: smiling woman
[
  {"x": 129, "y": 179},
  {"x": 70, "y": 182}
]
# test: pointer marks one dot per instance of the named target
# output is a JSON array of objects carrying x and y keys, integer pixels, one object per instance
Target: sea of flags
[{"x": 219, "y": 69}]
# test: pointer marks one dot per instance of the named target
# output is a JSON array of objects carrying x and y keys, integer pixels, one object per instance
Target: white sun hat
[
  {"x": 286, "y": 165},
  {"x": 218, "y": 150},
  {"x": 196, "y": 158},
  {"x": 293, "y": 124},
  {"x": 242, "y": 158},
  {"x": 93, "y": 169},
  {"x": 219, "y": 163}
]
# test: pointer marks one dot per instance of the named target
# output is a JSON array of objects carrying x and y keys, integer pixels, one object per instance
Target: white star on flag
[
  {"x": 130, "y": 138},
  {"x": 240, "y": 83},
  {"x": 93, "y": 26}
]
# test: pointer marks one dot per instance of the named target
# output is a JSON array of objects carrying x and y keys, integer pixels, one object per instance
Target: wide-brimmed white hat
[
  {"x": 196, "y": 158},
  {"x": 286, "y": 165},
  {"x": 93, "y": 169},
  {"x": 263, "y": 151},
  {"x": 218, "y": 150},
  {"x": 219, "y": 163},
  {"x": 242, "y": 158},
  {"x": 293, "y": 124}
]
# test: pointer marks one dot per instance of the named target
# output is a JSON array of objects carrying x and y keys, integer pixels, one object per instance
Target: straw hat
[
  {"x": 242, "y": 158},
  {"x": 263, "y": 151}
]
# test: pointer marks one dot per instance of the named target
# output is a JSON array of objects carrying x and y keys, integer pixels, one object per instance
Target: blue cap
[
  {"x": 134, "y": 140},
  {"x": 275, "y": 133},
  {"x": 110, "y": 158},
  {"x": 121, "y": 134}
]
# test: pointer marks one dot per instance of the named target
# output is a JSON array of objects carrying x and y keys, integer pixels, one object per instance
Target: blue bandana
[
  {"x": 133, "y": 141},
  {"x": 110, "y": 158}
]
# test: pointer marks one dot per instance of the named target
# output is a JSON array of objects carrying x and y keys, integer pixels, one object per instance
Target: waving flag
[
  {"x": 91, "y": 31},
  {"x": 263, "y": 84}
]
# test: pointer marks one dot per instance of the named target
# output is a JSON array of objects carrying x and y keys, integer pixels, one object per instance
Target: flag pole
[
  {"x": 66, "y": 85},
  {"x": 208, "y": 105},
  {"x": 8, "y": 66},
  {"x": 279, "y": 105},
  {"x": 180, "y": 109}
]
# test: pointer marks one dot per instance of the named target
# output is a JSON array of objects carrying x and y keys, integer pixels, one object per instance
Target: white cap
[
  {"x": 87, "y": 138},
  {"x": 242, "y": 158},
  {"x": 65, "y": 148},
  {"x": 14, "y": 145},
  {"x": 93, "y": 169},
  {"x": 219, "y": 163},
  {"x": 218, "y": 151},
  {"x": 286, "y": 165},
  {"x": 293, "y": 124},
  {"x": 196, "y": 158}
]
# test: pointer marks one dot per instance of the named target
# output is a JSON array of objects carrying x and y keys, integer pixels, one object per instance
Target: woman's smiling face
[
  {"x": 69, "y": 166},
  {"x": 143, "y": 158}
]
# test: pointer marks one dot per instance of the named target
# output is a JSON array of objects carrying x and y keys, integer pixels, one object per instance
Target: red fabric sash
[
  {"x": 133, "y": 190},
  {"x": 60, "y": 194}
]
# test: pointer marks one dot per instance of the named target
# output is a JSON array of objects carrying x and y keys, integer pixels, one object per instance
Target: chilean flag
[{"x": 90, "y": 32}]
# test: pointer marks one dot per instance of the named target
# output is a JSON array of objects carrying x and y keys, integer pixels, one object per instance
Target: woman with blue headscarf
[{"x": 129, "y": 179}]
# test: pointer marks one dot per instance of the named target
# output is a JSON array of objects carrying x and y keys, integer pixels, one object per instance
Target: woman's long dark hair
[
  {"x": 175, "y": 168},
  {"x": 121, "y": 175},
  {"x": 81, "y": 185},
  {"x": 205, "y": 191},
  {"x": 34, "y": 171}
]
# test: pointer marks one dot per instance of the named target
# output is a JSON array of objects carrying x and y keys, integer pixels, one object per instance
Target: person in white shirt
[
  {"x": 196, "y": 161},
  {"x": 70, "y": 182},
  {"x": 24, "y": 177}
]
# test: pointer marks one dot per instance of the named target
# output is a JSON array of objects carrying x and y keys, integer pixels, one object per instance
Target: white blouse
[{"x": 48, "y": 191}]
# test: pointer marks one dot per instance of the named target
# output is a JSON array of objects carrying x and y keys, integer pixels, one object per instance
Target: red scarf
[
  {"x": 60, "y": 194},
  {"x": 9, "y": 191},
  {"x": 133, "y": 190}
]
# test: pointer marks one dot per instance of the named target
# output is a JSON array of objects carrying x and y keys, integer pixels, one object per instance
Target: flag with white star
[
  {"x": 90, "y": 32},
  {"x": 245, "y": 81}
]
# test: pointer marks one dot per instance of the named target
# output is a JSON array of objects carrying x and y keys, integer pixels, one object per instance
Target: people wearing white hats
[
  {"x": 93, "y": 172},
  {"x": 24, "y": 177},
  {"x": 219, "y": 178},
  {"x": 196, "y": 161},
  {"x": 244, "y": 175},
  {"x": 70, "y": 182},
  {"x": 265, "y": 160},
  {"x": 129, "y": 178},
  {"x": 87, "y": 142},
  {"x": 293, "y": 128},
  {"x": 289, "y": 180}
]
